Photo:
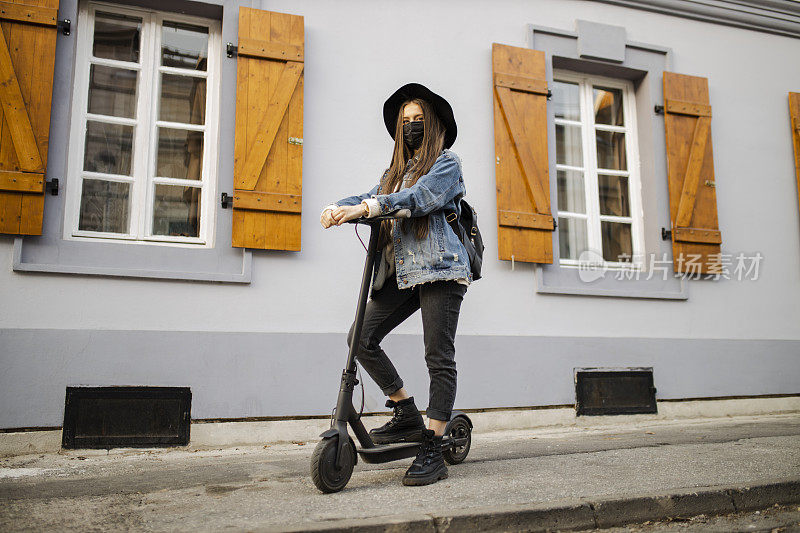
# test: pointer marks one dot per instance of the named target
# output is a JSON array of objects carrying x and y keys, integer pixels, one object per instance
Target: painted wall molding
[{"x": 781, "y": 17}]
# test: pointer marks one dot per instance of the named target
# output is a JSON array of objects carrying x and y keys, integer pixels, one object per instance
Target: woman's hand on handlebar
[
  {"x": 326, "y": 219},
  {"x": 343, "y": 213}
]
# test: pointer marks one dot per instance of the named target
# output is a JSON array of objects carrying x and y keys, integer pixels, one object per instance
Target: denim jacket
[{"x": 441, "y": 254}]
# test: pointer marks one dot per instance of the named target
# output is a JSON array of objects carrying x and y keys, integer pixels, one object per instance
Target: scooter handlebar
[{"x": 402, "y": 213}]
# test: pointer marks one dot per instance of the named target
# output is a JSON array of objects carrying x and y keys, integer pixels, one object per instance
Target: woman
[{"x": 423, "y": 265}]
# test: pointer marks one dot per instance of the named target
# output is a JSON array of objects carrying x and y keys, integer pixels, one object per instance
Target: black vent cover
[
  {"x": 614, "y": 391},
  {"x": 106, "y": 417}
]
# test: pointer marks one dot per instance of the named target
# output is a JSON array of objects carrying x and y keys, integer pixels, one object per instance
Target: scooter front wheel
[{"x": 326, "y": 476}]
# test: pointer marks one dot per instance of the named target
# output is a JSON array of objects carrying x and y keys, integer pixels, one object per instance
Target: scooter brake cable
[
  {"x": 362, "y": 390},
  {"x": 359, "y": 238}
]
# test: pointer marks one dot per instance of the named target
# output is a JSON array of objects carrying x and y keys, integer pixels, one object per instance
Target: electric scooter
[{"x": 336, "y": 454}]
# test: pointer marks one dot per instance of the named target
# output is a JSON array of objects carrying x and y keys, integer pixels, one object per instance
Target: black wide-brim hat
[{"x": 391, "y": 107}]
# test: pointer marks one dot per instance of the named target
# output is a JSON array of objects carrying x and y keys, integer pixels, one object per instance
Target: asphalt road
[{"x": 270, "y": 487}]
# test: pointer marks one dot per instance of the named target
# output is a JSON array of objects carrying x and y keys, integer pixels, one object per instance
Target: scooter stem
[
  {"x": 366, "y": 282},
  {"x": 345, "y": 412}
]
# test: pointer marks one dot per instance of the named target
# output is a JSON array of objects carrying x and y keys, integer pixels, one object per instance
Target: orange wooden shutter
[
  {"x": 696, "y": 237},
  {"x": 27, "y": 54},
  {"x": 794, "y": 113},
  {"x": 268, "y": 146},
  {"x": 525, "y": 223}
]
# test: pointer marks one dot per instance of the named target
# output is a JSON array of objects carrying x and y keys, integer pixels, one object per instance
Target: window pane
[
  {"x": 571, "y": 237},
  {"x": 117, "y": 36},
  {"x": 617, "y": 243},
  {"x": 183, "y": 99},
  {"x": 569, "y": 150},
  {"x": 613, "y": 195},
  {"x": 112, "y": 91},
  {"x": 108, "y": 148},
  {"x": 608, "y": 106},
  {"x": 104, "y": 206},
  {"x": 176, "y": 211},
  {"x": 571, "y": 196},
  {"x": 611, "y": 150},
  {"x": 566, "y": 100},
  {"x": 184, "y": 46},
  {"x": 180, "y": 154}
]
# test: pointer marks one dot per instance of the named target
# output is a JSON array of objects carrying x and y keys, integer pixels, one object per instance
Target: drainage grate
[
  {"x": 106, "y": 417},
  {"x": 614, "y": 391}
]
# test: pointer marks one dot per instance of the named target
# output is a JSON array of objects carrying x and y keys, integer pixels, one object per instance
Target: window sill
[
  {"x": 554, "y": 279},
  {"x": 35, "y": 254},
  {"x": 608, "y": 265},
  {"x": 156, "y": 240}
]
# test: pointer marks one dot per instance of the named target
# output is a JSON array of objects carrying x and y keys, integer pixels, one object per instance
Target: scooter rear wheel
[
  {"x": 326, "y": 476},
  {"x": 459, "y": 429}
]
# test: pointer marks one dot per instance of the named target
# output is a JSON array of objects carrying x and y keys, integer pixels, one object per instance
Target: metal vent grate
[
  {"x": 106, "y": 417},
  {"x": 614, "y": 391}
]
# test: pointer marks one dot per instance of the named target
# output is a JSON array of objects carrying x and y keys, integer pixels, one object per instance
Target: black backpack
[{"x": 466, "y": 228}]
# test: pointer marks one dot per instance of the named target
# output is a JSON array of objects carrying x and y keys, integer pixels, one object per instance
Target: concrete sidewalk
[{"x": 568, "y": 478}]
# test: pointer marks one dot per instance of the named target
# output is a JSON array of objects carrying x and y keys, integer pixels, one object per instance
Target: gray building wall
[{"x": 275, "y": 345}]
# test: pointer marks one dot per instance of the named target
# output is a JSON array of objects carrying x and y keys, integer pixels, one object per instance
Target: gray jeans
[{"x": 440, "y": 303}]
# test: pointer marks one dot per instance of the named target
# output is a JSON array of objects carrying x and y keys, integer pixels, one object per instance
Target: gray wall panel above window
[
  {"x": 206, "y": 8},
  {"x": 600, "y": 41}
]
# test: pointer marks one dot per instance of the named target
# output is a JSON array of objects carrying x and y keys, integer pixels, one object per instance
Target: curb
[{"x": 575, "y": 514}]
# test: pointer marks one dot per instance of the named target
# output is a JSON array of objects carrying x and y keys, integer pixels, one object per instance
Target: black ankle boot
[
  {"x": 428, "y": 467},
  {"x": 405, "y": 426}
]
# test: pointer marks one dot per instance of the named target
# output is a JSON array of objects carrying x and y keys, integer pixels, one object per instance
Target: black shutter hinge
[
  {"x": 52, "y": 186},
  {"x": 659, "y": 110},
  {"x": 666, "y": 234},
  {"x": 64, "y": 25},
  {"x": 231, "y": 49},
  {"x": 226, "y": 200},
  {"x": 549, "y": 94}
]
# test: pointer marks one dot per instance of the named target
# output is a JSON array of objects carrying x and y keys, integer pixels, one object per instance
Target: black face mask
[{"x": 413, "y": 133}]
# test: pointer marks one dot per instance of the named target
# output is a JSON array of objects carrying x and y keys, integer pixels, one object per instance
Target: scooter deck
[{"x": 384, "y": 453}]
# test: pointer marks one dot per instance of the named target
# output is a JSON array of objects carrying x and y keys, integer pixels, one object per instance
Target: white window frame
[
  {"x": 142, "y": 179},
  {"x": 591, "y": 187}
]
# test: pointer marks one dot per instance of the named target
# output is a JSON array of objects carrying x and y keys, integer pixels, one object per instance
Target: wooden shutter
[
  {"x": 268, "y": 147},
  {"x": 27, "y": 55},
  {"x": 525, "y": 223},
  {"x": 690, "y": 170},
  {"x": 794, "y": 113}
]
